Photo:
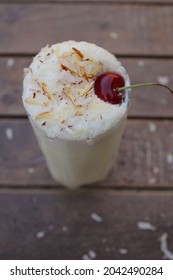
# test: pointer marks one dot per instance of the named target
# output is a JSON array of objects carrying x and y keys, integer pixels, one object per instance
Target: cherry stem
[{"x": 142, "y": 85}]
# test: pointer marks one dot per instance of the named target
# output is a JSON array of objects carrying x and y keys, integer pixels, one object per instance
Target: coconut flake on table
[
  {"x": 152, "y": 127},
  {"x": 140, "y": 63},
  {"x": 152, "y": 180},
  {"x": 145, "y": 226},
  {"x": 96, "y": 217},
  {"x": 164, "y": 247},
  {"x": 86, "y": 257},
  {"x": 169, "y": 158},
  {"x": 10, "y": 62},
  {"x": 9, "y": 133},
  {"x": 89, "y": 256},
  {"x": 64, "y": 228},
  {"x": 155, "y": 169},
  {"x": 123, "y": 251},
  {"x": 163, "y": 80},
  {"x": 92, "y": 254},
  {"x": 40, "y": 234},
  {"x": 114, "y": 35},
  {"x": 31, "y": 170}
]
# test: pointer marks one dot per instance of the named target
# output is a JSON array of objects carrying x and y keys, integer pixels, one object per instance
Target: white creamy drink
[{"x": 78, "y": 132}]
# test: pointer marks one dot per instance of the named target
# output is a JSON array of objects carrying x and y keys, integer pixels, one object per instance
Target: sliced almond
[
  {"x": 79, "y": 113},
  {"x": 70, "y": 63},
  {"x": 72, "y": 98},
  {"x": 76, "y": 65},
  {"x": 64, "y": 67},
  {"x": 66, "y": 90},
  {"x": 47, "y": 116},
  {"x": 80, "y": 56},
  {"x": 48, "y": 94},
  {"x": 86, "y": 89},
  {"x": 69, "y": 67},
  {"x": 58, "y": 51},
  {"x": 96, "y": 68},
  {"x": 66, "y": 55},
  {"x": 69, "y": 95},
  {"x": 44, "y": 88},
  {"x": 32, "y": 101},
  {"x": 82, "y": 71},
  {"x": 85, "y": 76}
]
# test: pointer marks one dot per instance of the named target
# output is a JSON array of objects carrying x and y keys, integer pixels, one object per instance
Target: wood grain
[
  {"x": 27, "y": 28},
  {"x": 145, "y": 156},
  {"x": 91, "y": 1},
  {"x": 146, "y": 102},
  {"x": 69, "y": 230}
]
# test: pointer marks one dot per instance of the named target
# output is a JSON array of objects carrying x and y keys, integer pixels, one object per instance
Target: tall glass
[
  {"x": 74, "y": 163},
  {"x": 60, "y": 83}
]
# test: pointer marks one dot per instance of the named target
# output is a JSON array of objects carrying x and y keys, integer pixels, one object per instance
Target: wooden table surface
[{"x": 40, "y": 219}]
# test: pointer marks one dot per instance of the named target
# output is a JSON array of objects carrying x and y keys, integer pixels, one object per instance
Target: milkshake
[{"x": 79, "y": 133}]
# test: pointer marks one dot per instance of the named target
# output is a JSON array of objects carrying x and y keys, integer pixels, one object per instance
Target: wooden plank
[
  {"x": 139, "y": 30},
  {"x": 91, "y": 1},
  {"x": 11, "y": 78},
  {"x": 146, "y": 102},
  {"x": 145, "y": 156},
  {"x": 69, "y": 231}
]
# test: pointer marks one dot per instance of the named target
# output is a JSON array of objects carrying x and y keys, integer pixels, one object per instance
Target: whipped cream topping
[{"x": 58, "y": 91}]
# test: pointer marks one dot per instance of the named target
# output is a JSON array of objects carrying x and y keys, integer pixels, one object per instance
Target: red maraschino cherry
[
  {"x": 110, "y": 87},
  {"x": 105, "y": 87}
]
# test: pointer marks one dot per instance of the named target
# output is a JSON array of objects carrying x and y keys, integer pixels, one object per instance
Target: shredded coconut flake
[
  {"x": 152, "y": 127},
  {"x": 31, "y": 170},
  {"x": 152, "y": 180},
  {"x": 163, "y": 80},
  {"x": 96, "y": 217},
  {"x": 10, "y": 62},
  {"x": 64, "y": 229},
  {"x": 169, "y": 158},
  {"x": 164, "y": 247},
  {"x": 86, "y": 257},
  {"x": 155, "y": 169},
  {"x": 145, "y": 226},
  {"x": 123, "y": 251},
  {"x": 9, "y": 133},
  {"x": 140, "y": 63},
  {"x": 40, "y": 234},
  {"x": 92, "y": 254},
  {"x": 113, "y": 35}
]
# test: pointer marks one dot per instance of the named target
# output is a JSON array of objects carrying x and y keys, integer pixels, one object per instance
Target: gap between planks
[
  {"x": 29, "y": 188},
  {"x": 94, "y": 2},
  {"x": 134, "y": 118}
]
